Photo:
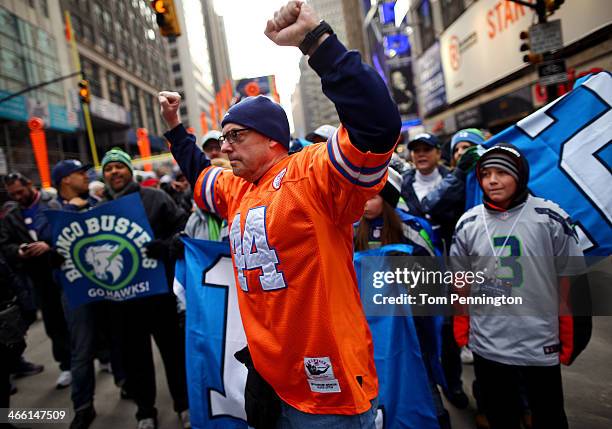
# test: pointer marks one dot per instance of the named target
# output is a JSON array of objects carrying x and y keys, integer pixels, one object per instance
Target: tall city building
[
  {"x": 199, "y": 61},
  {"x": 316, "y": 108},
  {"x": 346, "y": 18},
  {"x": 126, "y": 62},
  {"x": 32, "y": 51},
  {"x": 297, "y": 109},
  {"x": 217, "y": 45}
]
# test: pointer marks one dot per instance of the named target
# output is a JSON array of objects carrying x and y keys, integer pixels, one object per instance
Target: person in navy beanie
[
  {"x": 262, "y": 115},
  {"x": 325, "y": 188}
]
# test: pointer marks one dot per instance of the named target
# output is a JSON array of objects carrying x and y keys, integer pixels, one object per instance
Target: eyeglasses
[{"x": 232, "y": 137}]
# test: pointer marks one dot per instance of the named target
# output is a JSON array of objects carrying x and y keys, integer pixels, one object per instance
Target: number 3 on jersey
[{"x": 252, "y": 251}]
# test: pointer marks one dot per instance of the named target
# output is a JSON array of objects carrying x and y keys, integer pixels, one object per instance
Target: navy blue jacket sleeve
[
  {"x": 184, "y": 149},
  {"x": 446, "y": 202},
  {"x": 361, "y": 98}
]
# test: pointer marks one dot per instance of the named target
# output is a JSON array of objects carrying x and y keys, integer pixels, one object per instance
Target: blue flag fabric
[
  {"x": 104, "y": 252},
  {"x": 568, "y": 144},
  {"x": 214, "y": 333},
  {"x": 398, "y": 359}
]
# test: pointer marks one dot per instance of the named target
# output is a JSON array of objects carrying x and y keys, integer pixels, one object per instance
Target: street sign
[
  {"x": 552, "y": 72},
  {"x": 546, "y": 37}
]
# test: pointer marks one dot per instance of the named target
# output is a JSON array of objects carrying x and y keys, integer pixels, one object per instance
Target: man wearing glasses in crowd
[{"x": 291, "y": 230}]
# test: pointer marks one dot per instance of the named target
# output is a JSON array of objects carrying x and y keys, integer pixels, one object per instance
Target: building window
[
  {"x": 178, "y": 82},
  {"x": 97, "y": 12},
  {"x": 101, "y": 43},
  {"x": 91, "y": 72},
  {"x": 114, "y": 88},
  {"x": 112, "y": 49},
  {"x": 45, "y": 7},
  {"x": 107, "y": 21},
  {"x": 176, "y": 67},
  {"x": 428, "y": 36},
  {"x": 451, "y": 9},
  {"x": 121, "y": 55},
  {"x": 173, "y": 53},
  {"x": 134, "y": 107},
  {"x": 87, "y": 34},
  {"x": 150, "y": 114}
]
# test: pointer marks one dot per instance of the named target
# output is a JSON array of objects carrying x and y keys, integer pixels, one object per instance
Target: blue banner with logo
[
  {"x": 569, "y": 148},
  {"x": 105, "y": 253},
  {"x": 214, "y": 333}
]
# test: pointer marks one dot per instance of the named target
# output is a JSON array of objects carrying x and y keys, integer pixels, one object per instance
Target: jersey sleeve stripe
[
  {"x": 362, "y": 177},
  {"x": 358, "y": 170},
  {"x": 197, "y": 193},
  {"x": 212, "y": 189},
  {"x": 208, "y": 189}
]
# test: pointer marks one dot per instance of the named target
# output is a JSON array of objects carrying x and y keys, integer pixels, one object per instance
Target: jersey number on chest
[{"x": 252, "y": 251}]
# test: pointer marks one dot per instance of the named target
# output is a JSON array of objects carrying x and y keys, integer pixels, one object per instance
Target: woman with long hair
[{"x": 383, "y": 223}]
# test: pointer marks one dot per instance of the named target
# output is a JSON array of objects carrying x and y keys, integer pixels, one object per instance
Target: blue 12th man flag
[
  {"x": 214, "y": 333},
  {"x": 568, "y": 144}
]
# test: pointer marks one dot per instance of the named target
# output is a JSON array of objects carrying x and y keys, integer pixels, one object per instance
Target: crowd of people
[{"x": 294, "y": 212}]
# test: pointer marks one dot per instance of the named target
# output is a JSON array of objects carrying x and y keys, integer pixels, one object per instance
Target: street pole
[
  {"x": 540, "y": 9},
  {"x": 84, "y": 106}
]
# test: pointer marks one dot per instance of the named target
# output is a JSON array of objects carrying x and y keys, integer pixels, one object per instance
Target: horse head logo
[{"x": 105, "y": 261}]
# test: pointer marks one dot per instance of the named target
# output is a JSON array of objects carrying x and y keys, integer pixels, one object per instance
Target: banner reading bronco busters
[{"x": 105, "y": 254}]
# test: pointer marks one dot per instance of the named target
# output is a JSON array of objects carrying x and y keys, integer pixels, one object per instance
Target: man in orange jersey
[{"x": 290, "y": 220}]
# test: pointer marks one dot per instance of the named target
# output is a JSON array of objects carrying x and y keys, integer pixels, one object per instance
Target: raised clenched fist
[
  {"x": 291, "y": 24},
  {"x": 169, "y": 106}
]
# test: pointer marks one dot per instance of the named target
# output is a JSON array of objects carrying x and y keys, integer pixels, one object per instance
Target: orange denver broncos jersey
[{"x": 291, "y": 237}]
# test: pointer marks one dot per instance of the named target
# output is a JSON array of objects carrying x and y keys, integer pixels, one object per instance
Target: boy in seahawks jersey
[{"x": 512, "y": 226}]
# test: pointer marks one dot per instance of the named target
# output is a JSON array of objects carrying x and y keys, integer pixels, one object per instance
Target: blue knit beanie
[
  {"x": 470, "y": 135},
  {"x": 262, "y": 115}
]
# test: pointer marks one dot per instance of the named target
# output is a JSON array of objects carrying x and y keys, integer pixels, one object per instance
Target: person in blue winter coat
[{"x": 431, "y": 190}]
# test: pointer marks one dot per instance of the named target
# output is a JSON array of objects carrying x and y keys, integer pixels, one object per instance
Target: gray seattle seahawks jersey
[{"x": 542, "y": 247}]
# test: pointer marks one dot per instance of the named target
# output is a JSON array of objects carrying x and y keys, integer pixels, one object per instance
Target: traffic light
[
  {"x": 552, "y": 5},
  {"x": 529, "y": 57},
  {"x": 84, "y": 93},
  {"x": 166, "y": 18}
]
